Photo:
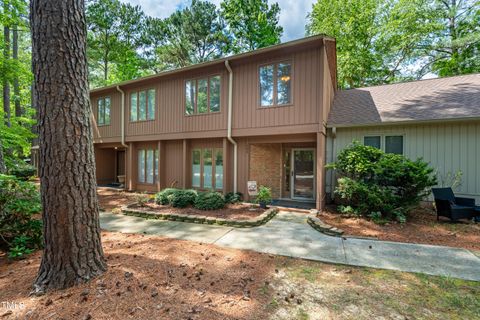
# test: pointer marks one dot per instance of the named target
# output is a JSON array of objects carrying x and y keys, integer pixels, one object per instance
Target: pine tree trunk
[
  {"x": 16, "y": 85},
  {"x": 73, "y": 253},
  {"x": 6, "y": 85},
  {"x": 3, "y": 168}
]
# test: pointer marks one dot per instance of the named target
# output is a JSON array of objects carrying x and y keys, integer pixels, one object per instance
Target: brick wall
[{"x": 266, "y": 166}]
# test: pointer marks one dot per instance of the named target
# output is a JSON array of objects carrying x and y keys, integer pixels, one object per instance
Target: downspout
[
  {"x": 332, "y": 176},
  {"x": 122, "y": 125},
  {"x": 229, "y": 126}
]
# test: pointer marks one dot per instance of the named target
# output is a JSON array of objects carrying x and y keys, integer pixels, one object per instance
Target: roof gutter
[
  {"x": 122, "y": 117},
  {"x": 229, "y": 126}
]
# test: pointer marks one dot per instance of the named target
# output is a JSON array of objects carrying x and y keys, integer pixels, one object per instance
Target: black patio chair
[{"x": 452, "y": 207}]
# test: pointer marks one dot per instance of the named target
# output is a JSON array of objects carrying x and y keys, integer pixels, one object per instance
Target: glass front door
[{"x": 303, "y": 174}]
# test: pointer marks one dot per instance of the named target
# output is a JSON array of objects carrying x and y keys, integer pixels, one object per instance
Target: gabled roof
[
  {"x": 290, "y": 45},
  {"x": 416, "y": 101}
]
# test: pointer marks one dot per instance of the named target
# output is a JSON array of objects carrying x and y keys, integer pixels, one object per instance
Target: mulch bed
[
  {"x": 149, "y": 277},
  {"x": 421, "y": 227},
  {"x": 240, "y": 211}
]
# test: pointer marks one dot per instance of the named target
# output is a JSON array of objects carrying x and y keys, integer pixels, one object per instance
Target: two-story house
[{"x": 257, "y": 116}]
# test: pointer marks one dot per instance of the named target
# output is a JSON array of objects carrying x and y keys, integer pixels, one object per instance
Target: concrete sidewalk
[{"x": 288, "y": 234}]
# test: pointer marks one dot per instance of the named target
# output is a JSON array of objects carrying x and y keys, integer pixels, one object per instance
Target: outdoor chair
[{"x": 452, "y": 207}]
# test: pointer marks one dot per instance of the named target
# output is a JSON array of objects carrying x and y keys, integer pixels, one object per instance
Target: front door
[
  {"x": 120, "y": 163},
  {"x": 303, "y": 174}
]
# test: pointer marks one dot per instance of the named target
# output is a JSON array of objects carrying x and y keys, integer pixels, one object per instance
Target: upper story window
[
  {"x": 389, "y": 144},
  {"x": 103, "y": 111},
  {"x": 142, "y": 105},
  {"x": 275, "y": 84},
  {"x": 202, "y": 95}
]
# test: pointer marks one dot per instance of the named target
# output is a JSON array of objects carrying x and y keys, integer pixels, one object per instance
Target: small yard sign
[{"x": 252, "y": 188}]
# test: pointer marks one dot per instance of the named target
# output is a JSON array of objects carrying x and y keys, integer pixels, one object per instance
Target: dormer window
[
  {"x": 275, "y": 84},
  {"x": 103, "y": 111}
]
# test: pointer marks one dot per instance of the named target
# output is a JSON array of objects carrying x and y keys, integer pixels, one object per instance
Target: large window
[
  {"x": 103, "y": 111},
  {"x": 142, "y": 105},
  {"x": 275, "y": 84},
  {"x": 207, "y": 168},
  {"x": 202, "y": 95},
  {"x": 389, "y": 144},
  {"x": 147, "y": 166}
]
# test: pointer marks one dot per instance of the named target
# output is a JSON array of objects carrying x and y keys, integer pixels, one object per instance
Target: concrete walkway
[{"x": 288, "y": 234}]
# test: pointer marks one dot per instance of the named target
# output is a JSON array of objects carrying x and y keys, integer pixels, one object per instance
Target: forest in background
[{"x": 378, "y": 41}]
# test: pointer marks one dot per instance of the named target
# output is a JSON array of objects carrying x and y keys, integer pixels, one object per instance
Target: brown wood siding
[
  {"x": 306, "y": 93},
  {"x": 113, "y": 130},
  {"x": 174, "y": 163},
  {"x": 170, "y": 115}
]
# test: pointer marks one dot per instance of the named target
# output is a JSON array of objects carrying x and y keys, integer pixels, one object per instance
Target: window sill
[
  {"x": 103, "y": 125},
  {"x": 203, "y": 114},
  {"x": 275, "y": 106},
  {"x": 141, "y": 121}
]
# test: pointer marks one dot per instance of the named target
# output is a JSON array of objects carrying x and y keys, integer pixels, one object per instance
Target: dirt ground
[
  {"x": 231, "y": 211},
  {"x": 110, "y": 199},
  {"x": 151, "y": 277},
  {"x": 421, "y": 227}
]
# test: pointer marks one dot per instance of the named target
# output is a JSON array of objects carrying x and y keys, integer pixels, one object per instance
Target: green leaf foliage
[
  {"x": 374, "y": 183},
  {"x": 20, "y": 231},
  {"x": 209, "y": 201}
]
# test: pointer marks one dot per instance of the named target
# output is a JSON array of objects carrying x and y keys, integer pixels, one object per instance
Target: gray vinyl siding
[{"x": 448, "y": 147}]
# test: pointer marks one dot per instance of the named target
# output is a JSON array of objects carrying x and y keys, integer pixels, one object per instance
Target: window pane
[
  {"x": 189, "y": 97},
  {"x": 373, "y": 141},
  {"x": 202, "y": 96},
  {"x": 141, "y": 165},
  {"x": 156, "y": 164},
  {"x": 142, "y": 107},
  {"x": 207, "y": 169},
  {"x": 151, "y": 104},
  {"x": 196, "y": 168},
  {"x": 149, "y": 166},
  {"x": 284, "y": 83},
  {"x": 107, "y": 110},
  {"x": 394, "y": 144},
  {"x": 133, "y": 107},
  {"x": 215, "y": 94},
  {"x": 266, "y": 85},
  {"x": 101, "y": 111},
  {"x": 219, "y": 169}
]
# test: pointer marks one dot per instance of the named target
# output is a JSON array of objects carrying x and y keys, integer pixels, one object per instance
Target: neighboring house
[
  {"x": 258, "y": 116},
  {"x": 437, "y": 120}
]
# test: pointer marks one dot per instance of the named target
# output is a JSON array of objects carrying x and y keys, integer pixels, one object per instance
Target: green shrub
[
  {"x": 380, "y": 185},
  {"x": 233, "y": 197},
  {"x": 209, "y": 201},
  {"x": 162, "y": 196},
  {"x": 182, "y": 198},
  {"x": 264, "y": 195},
  {"x": 23, "y": 171},
  {"x": 19, "y": 201}
]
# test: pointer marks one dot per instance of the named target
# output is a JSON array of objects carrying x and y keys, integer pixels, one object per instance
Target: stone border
[
  {"x": 149, "y": 214},
  {"x": 324, "y": 228}
]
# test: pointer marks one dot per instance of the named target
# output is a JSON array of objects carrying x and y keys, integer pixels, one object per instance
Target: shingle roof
[{"x": 425, "y": 100}]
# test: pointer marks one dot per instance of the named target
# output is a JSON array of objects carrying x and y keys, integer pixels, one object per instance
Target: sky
[{"x": 292, "y": 14}]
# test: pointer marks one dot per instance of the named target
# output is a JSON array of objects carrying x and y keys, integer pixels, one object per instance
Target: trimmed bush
[
  {"x": 182, "y": 198},
  {"x": 162, "y": 196},
  {"x": 380, "y": 185},
  {"x": 232, "y": 197},
  {"x": 19, "y": 201},
  {"x": 209, "y": 201},
  {"x": 178, "y": 198}
]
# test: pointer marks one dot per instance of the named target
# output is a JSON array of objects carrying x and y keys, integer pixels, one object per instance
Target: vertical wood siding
[
  {"x": 113, "y": 130},
  {"x": 448, "y": 147},
  {"x": 306, "y": 89}
]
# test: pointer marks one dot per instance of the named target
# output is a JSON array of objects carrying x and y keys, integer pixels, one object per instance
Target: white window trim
[{"x": 382, "y": 139}]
